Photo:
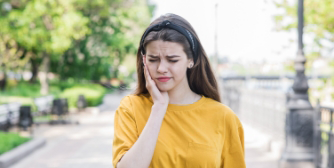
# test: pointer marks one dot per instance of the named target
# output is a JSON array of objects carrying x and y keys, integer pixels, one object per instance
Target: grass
[
  {"x": 42, "y": 118},
  {"x": 25, "y": 92},
  {"x": 26, "y": 89},
  {"x": 11, "y": 140},
  {"x": 25, "y": 101},
  {"x": 93, "y": 93}
]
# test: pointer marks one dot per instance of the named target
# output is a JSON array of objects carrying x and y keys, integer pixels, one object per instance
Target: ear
[{"x": 190, "y": 62}]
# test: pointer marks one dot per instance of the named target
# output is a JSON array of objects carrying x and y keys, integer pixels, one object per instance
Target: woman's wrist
[{"x": 159, "y": 108}]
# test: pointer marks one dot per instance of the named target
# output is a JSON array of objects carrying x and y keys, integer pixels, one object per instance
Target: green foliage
[
  {"x": 93, "y": 93},
  {"x": 318, "y": 22},
  {"x": 289, "y": 66},
  {"x": 11, "y": 56},
  {"x": 85, "y": 39},
  {"x": 25, "y": 89},
  {"x": 25, "y": 92},
  {"x": 25, "y": 101},
  {"x": 116, "y": 28},
  {"x": 10, "y": 141},
  {"x": 44, "y": 25}
]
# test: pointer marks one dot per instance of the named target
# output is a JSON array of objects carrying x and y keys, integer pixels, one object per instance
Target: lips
[{"x": 163, "y": 79}]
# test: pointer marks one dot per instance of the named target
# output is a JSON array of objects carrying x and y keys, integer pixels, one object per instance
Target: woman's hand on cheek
[{"x": 158, "y": 97}]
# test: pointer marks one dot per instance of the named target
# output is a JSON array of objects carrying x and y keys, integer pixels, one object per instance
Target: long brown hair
[{"x": 201, "y": 79}]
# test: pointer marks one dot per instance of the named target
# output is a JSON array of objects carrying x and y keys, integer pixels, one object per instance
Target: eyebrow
[{"x": 169, "y": 56}]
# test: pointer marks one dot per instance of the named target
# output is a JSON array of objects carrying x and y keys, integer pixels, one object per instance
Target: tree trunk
[
  {"x": 3, "y": 79},
  {"x": 34, "y": 70},
  {"x": 44, "y": 74},
  {"x": 115, "y": 73}
]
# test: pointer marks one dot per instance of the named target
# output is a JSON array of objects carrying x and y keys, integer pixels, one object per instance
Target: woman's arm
[{"x": 141, "y": 153}]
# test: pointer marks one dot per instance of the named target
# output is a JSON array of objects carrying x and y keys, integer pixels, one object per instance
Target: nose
[{"x": 162, "y": 68}]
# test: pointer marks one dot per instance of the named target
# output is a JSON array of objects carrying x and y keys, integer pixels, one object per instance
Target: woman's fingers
[
  {"x": 146, "y": 74},
  {"x": 151, "y": 85},
  {"x": 146, "y": 78}
]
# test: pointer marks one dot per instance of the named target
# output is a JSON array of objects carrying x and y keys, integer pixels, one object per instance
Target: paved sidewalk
[
  {"x": 111, "y": 101},
  {"x": 257, "y": 150},
  {"x": 88, "y": 145}
]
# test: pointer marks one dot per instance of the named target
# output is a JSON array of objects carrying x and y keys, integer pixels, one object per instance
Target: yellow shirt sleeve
[
  {"x": 233, "y": 154},
  {"x": 125, "y": 131}
]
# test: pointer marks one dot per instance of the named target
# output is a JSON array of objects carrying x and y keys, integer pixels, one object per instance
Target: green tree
[
  {"x": 44, "y": 27},
  {"x": 318, "y": 24},
  {"x": 79, "y": 39},
  {"x": 12, "y": 58},
  {"x": 115, "y": 27}
]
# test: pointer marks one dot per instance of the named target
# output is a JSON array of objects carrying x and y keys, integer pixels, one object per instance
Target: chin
[{"x": 164, "y": 88}]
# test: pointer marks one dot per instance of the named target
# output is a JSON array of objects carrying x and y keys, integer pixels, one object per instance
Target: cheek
[
  {"x": 178, "y": 73},
  {"x": 150, "y": 68}
]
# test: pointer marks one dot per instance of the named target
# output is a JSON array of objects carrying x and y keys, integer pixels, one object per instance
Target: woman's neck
[{"x": 182, "y": 94}]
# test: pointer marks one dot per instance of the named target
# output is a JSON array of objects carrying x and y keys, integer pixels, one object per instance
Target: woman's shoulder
[
  {"x": 210, "y": 103},
  {"x": 221, "y": 108}
]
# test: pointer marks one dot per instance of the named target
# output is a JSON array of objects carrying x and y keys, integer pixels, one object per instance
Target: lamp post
[{"x": 299, "y": 118}]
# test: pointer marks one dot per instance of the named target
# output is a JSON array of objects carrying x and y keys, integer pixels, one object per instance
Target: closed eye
[{"x": 169, "y": 60}]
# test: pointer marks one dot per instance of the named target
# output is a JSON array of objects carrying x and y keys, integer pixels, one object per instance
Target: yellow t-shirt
[{"x": 205, "y": 134}]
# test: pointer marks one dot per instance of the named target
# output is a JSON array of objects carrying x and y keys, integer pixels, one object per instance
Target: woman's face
[{"x": 167, "y": 59}]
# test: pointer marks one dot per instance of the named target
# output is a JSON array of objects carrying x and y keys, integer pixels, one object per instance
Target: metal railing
[
  {"x": 259, "y": 101},
  {"x": 324, "y": 137},
  {"x": 264, "y": 110}
]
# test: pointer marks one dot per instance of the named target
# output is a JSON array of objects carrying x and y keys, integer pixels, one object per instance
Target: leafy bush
[
  {"x": 93, "y": 93},
  {"x": 24, "y": 92},
  {"x": 23, "y": 89},
  {"x": 11, "y": 140},
  {"x": 25, "y": 101},
  {"x": 26, "y": 89}
]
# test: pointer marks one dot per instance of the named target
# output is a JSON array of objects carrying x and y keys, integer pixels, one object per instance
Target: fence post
[
  {"x": 331, "y": 140},
  {"x": 317, "y": 133}
]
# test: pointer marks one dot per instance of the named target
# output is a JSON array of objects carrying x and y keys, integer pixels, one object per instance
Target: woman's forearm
[{"x": 141, "y": 153}]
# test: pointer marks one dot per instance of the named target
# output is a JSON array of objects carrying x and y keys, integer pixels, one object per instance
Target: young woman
[{"x": 175, "y": 118}]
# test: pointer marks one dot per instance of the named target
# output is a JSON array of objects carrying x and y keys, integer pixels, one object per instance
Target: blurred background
[{"x": 66, "y": 64}]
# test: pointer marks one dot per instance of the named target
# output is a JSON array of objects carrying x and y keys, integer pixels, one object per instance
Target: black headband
[{"x": 168, "y": 24}]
